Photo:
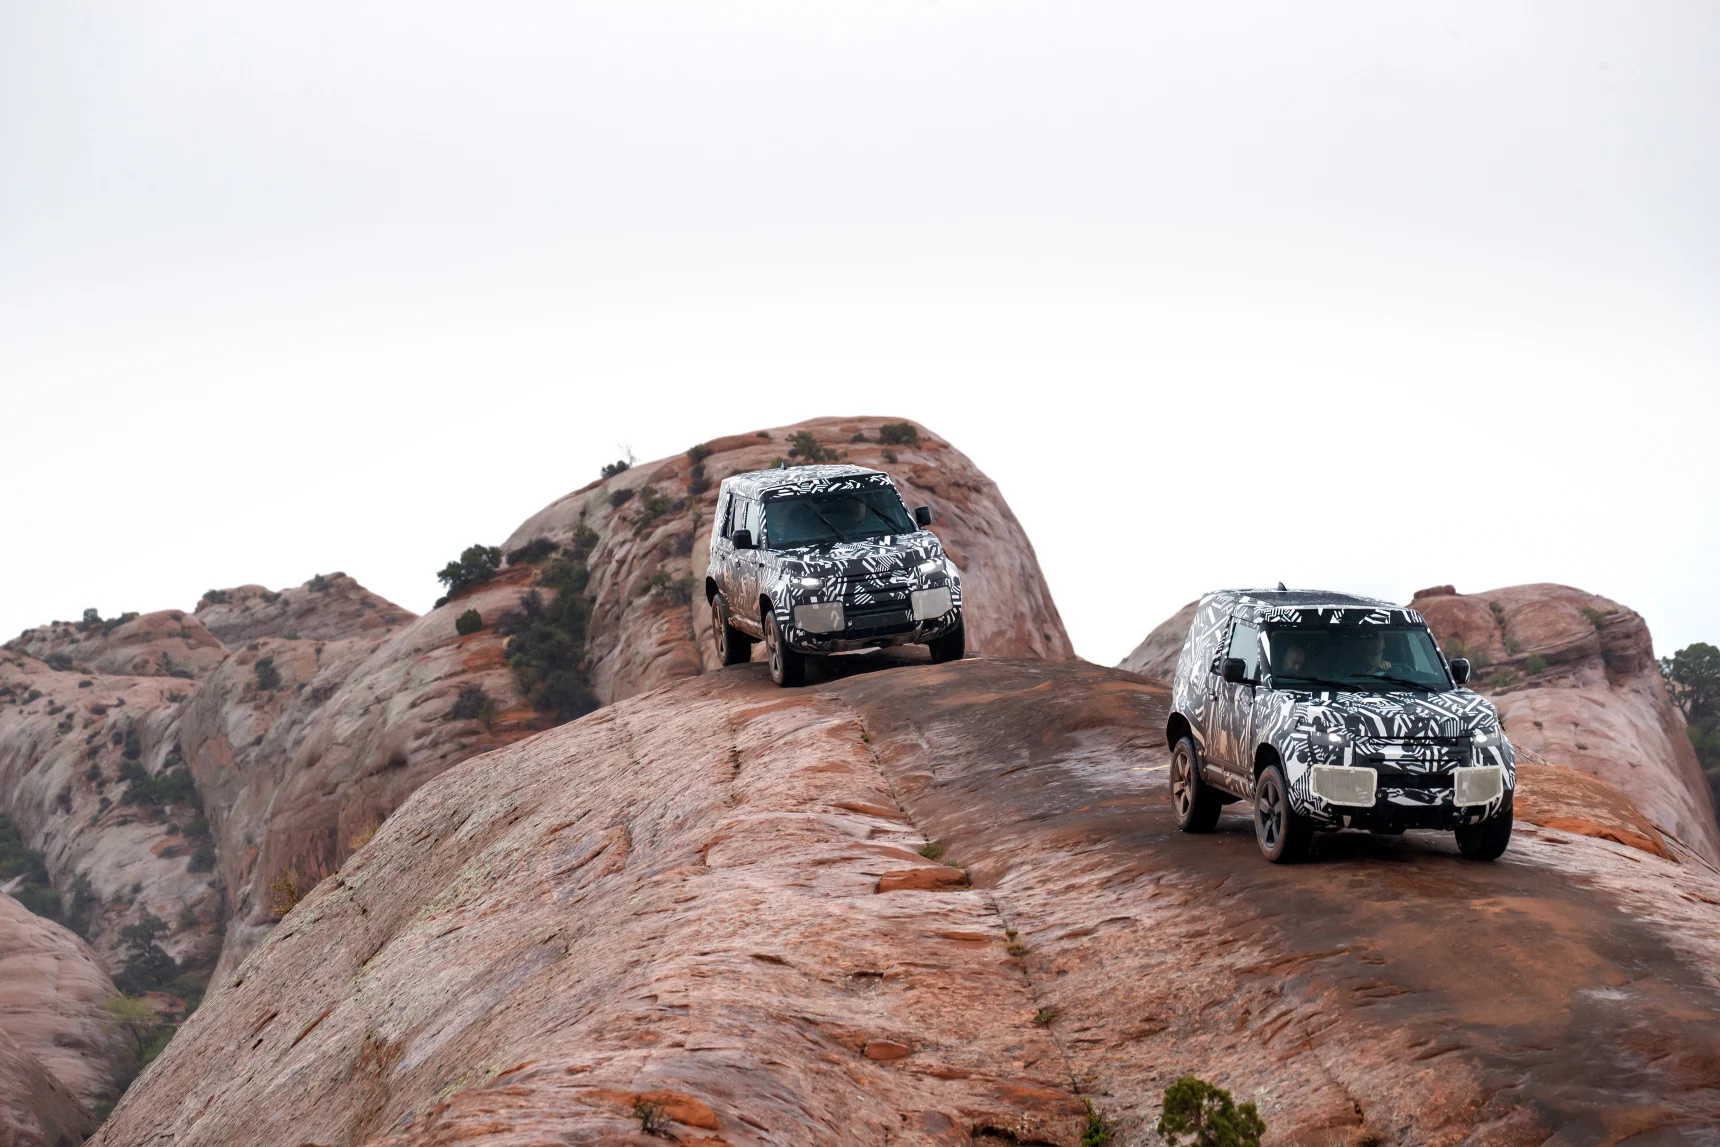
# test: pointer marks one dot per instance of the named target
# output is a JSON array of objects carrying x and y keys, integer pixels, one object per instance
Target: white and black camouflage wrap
[
  {"x": 873, "y": 579},
  {"x": 1413, "y": 739}
]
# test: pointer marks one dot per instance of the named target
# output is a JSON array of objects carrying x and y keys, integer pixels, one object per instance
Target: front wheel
[
  {"x": 1284, "y": 835},
  {"x": 733, "y": 646},
  {"x": 952, "y": 646},
  {"x": 787, "y": 668},
  {"x": 1195, "y": 803},
  {"x": 1487, "y": 840}
]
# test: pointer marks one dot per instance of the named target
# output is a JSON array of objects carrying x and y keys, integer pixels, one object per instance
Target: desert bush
[
  {"x": 1503, "y": 677},
  {"x": 619, "y": 497},
  {"x": 476, "y": 564},
  {"x": 468, "y": 623},
  {"x": 698, "y": 481},
  {"x": 92, "y": 618},
  {"x": 60, "y": 661},
  {"x": 1535, "y": 663},
  {"x": 931, "y": 850},
  {"x": 858, "y": 436},
  {"x": 473, "y": 704},
  {"x": 1597, "y": 618},
  {"x": 653, "y": 505},
  {"x": 887, "y": 454},
  {"x": 148, "y": 967},
  {"x": 82, "y": 910},
  {"x": 172, "y": 786},
  {"x": 1097, "y": 1132},
  {"x": 1207, "y": 1116},
  {"x": 532, "y": 552},
  {"x": 29, "y": 868},
  {"x": 899, "y": 434},
  {"x": 805, "y": 445},
  {"x": 287, "y": 892},
  {"x": 203, "y": 860},
  {"x": 676, "y": 589},
  {"x": 611, "y": 469},
  {"x": 215, "y": 596},
  {"x": 697, "y": 454},
  {"x": 319, "y": 584},
  {"x": 268, "y": 677},
  {"x": 546, "y": 638}
]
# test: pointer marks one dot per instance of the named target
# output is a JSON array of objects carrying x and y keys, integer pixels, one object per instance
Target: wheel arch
[
  {"x": 711, "y": 589},
  {"x": 1265, "y": 754},
  {"x": 1176, "y": 729}
]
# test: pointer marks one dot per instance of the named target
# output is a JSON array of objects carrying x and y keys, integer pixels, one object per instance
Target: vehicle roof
[
  {"x": 1300, "y": 599},
  {"x": 805, "y": 479},
  {"x": 1304, "y": 606}
]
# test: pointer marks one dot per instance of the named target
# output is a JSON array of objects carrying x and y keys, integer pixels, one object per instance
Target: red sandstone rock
[
  {"x": 1156, "y": 656},
  {"x": 329, "y": 607},
  {"x": 36, "y": 1109},
  {"x": 167, "y": 643},
  {"x": 926, "y": 878},
  {"x": 1596, "y": 705},
  {"x": 51, "y": 991},
  {"x": 675, "y": 898}
]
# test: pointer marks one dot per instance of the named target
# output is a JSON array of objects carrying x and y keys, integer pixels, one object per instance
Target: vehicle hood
[
  {"x": 1403, "y": 716},
  {"x": 862, "y": 559}
]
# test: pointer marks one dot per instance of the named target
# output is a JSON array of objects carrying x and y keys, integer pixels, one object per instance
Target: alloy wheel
[
  {"x": 1269, "y": 812},
  {"x": 1182, "y": 785}
]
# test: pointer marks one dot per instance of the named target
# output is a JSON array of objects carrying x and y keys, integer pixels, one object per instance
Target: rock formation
[
  {"x": 328, "y": 607},
  {"x": 292, "y": 777},
  {"x": 168, "y": 643},
  {"x": 1156, "y": 655},
  {"x": 708, "y": 913},
  {"x": 58, "y": 1056},
  {"x": 1575, "y": 680}
]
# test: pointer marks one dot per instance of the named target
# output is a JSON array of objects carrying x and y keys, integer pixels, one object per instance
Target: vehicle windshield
[
  {"x": 1358, "y": 657},
  {"x": 848, "y": 516}
]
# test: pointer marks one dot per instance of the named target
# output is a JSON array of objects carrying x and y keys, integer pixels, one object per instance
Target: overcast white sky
[{"x": 1353, "y": 296}]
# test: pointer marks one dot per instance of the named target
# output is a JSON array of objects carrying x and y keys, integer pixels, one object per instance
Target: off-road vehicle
[
  {"x": 826, "y": 559},
  {"x": 1329, "y": 712}
]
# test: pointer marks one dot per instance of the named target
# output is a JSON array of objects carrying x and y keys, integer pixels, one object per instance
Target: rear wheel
[
  {"x": 1487, "y": 840},
  {"x": 787, "y": 668},
  {"x": 733, "y": 646},
  {"x": 952, "y": 646},
  {"x": 1194, "y": 802},
  {"x": 1284, "y": 835}
]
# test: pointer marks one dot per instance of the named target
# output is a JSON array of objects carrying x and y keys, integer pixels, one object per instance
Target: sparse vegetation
[
  {"x": 468, "y": 623},
  {"x": 215, "y": 596},
  {"x": 1045, "y": 1017},
  {"x": 532, "y": 552},
  {"x": 610, "y": 469},
  {"x": 1097, "y": 1133},
  {"x": 1535, "y": 663},
  {"x": 805, "y": 445},
  {"x": 653, "y": 505},
  {"x": 476, "y": 564},
  {"x": 1503, "y": 678},
  {"x": 59, "y": 661},
  {"x": 1196, "y": 1112},
  {"x": 858, "y": 436},
  {"x": 887, "y": 454},
  {"x": 619, "y": 497},
  {"x": 287, "y": 892},
  {"x": 698, "y": 481},
  {"x": 899, "y": 434},
  {"x": 319, "y": 584},
  {"x": 676, "y": 589},
  {"x": 653, "y": 1119},
  {"x": 1016, "y": 948},
  {"x": 268, "y": 677},
  {"x": 92, "y": 618},
  {"x": 931, "y": 850},
  {"x": 148, "y": 967},
  {"x": 1693, "y": 678},
  {"x": 34, "y": 890},
  {"x": 1597, "y": 618},
  {"x": 546, "y": 639},
  {"x": 473, "y": 704}
]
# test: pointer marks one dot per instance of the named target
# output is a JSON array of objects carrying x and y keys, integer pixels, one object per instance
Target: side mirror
[
  {"x": 1460, "y": 670},
  {"x": 1235, "y": 671},
  {"x": 742, "y": 539},
  {"x": 922, "y": 516}
]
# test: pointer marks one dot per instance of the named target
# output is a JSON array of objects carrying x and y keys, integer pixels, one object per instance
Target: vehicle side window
[
  {"x": 727, "y": 527},
  {"x": 752, "y": 518},
  {"x": 1245, "y": 643}
]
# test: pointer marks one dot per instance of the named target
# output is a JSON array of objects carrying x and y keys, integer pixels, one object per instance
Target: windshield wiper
[
  {"x": 1316, "y": 683},
  {"x": 1422, "y": 685}
]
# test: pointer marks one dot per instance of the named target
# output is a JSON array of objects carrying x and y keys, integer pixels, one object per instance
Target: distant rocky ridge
[{"x": 1156, "y": 655}]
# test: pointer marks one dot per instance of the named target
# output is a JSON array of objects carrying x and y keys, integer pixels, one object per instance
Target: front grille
[
  {"x": 872, "y": 617},
  {"x": 1397, "y": 779}
]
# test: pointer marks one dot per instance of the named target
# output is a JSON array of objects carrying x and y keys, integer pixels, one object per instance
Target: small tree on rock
[{"x": 1207, "y": 1116}]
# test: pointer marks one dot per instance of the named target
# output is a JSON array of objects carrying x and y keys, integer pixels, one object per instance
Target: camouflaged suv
[
  {"x": 814, "y": 560},
  {"x": 1329, "y": 711}
]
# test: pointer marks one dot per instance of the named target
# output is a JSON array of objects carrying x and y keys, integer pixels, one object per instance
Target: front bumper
[
  {"x": 1363, "y": 797},
  {"x": 872, "y": 632}
]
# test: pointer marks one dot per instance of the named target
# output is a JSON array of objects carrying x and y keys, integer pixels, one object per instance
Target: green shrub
[
  {"x": 546, "y": 638},
  {"x": 619, "y": 497},
  {"x": 215, "y": 596},
  {"x": 899, "y": 434},
  {"x": 468, "y": 623},
  {"x": 532, "y": 552},
  {"x": 203, "y": 860},
  {"x": 858, "y": 436},
  {"x": 676, "y": 589},
  {"x": 613, "y": 468},
  {"x": 92, "y": 618},
  {"x": 698, "y": 454},
  {"x": 476, "y": 564},
  {"x": 30, "y": 868},
  {"x": 887, "y": 454},
  {"x": 653, "y": 505},
  {"x": 268, "y": 677},
  {"x": 172, "y": 786},
  {"x": 1513, "y": 646},
  {"x": 1503, "y": 677},
  {"x": 805, "y": 445},
  {"x": 85, "y": 906},
  {"x": 1535, "y": 663},
  {"x": 473, "y": 704},
  {"x": 1597, "y": 618},
  {"x": 60, "y": 661},
  {"x": 319, "y": 584},
  {"x": 698, "y": 481},
  {"x": 1208, "y": 1116},
  {"x": 147, "y": 966},
  {"x": 1097, "y": 1133}
]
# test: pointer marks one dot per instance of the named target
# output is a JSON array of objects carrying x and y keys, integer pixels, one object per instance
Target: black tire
[
  {"x": 1284, "y": 835},
  {"x": 952, "y": 646},
  {"x": 733, "y": 646},
  {"x": 787, "y": 668},
  {"x": 1487, "y": 840},
  {"x": 1194, "y": 803}
]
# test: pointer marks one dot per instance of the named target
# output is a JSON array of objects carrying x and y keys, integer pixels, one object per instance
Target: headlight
[
  {"x": 808, "y": 582},
  {"x": 930, "y": 603},
  {"x": 931, "y": 567},
  {"x": 825, "y": 618},
  {"x": 1488, "y": 738}
]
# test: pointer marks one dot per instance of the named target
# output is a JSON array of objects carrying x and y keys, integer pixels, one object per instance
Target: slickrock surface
[
  {"x": 37, "y": 1110},
  {"x": 1594, "y": 700},
  {"x": 51, "y": 990},
  {"x": 641, "y": 639},
  {"x": 167, "y": 643},
  {"x": 291, "y": 779},
  {"x": 707, "y": 905},
  {"x": 60, "y": 757},
  {"x": 1156, "y": 655},
  {"x": 328, "y": 607}
]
